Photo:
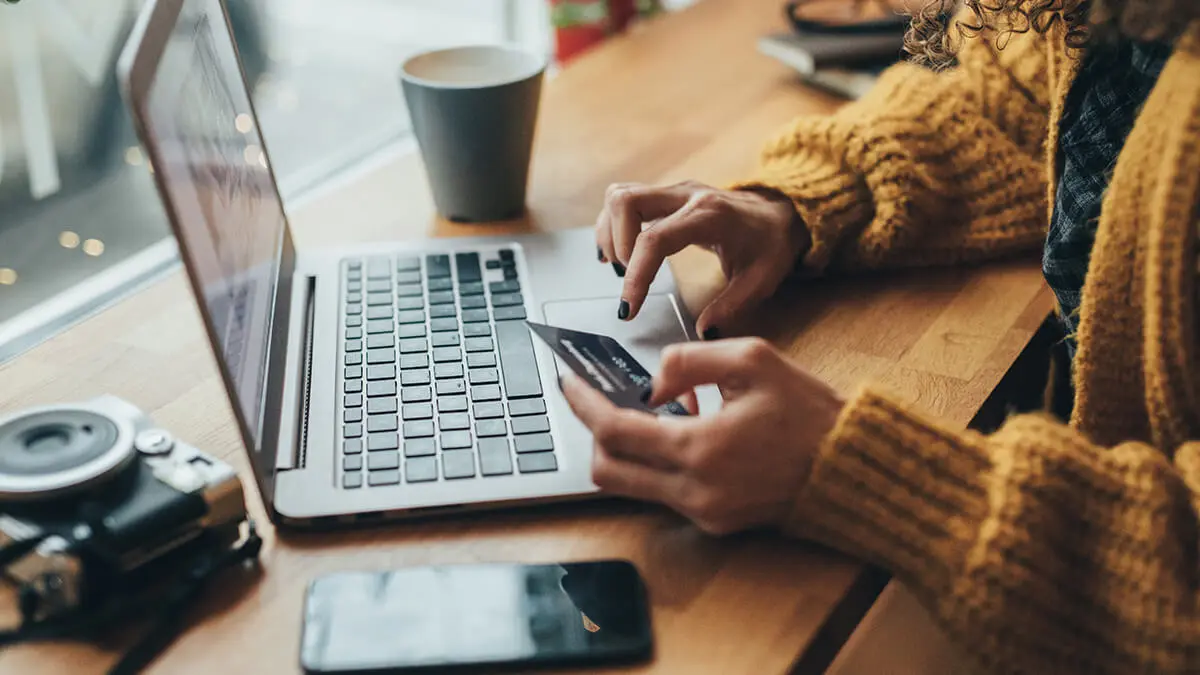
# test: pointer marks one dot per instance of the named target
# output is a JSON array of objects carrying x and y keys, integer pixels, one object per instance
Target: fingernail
[
  {"x": 623, "y": 310},
  {"x": 648, "y": 394},
  {"x": 599, "y": 254},
  {"x": 618, "y": 268},
  {"x": 710, "y": 333}
]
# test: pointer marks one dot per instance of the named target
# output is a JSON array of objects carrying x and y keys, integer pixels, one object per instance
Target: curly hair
[{"x": 932, "y": 42}]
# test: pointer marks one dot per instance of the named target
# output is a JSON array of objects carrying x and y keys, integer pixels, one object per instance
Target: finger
[
  {"x": 689, "y": 401},
  {"x": 730, "y": 364},
  {"x": 666, "y": 237},
  {"x": 604, "y": 241},
  {"x": 744, "y": 291},
  {"x": 618, "y": 476},
  {"x": 631, "y": 206},
  {"x": 634, "y": 436}
]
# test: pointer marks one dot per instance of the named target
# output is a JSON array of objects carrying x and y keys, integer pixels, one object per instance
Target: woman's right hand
[{"x": 756, "y": 235}]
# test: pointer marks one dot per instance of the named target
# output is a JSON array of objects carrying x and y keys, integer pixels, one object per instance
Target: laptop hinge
[{"x": 300, "y": 449}]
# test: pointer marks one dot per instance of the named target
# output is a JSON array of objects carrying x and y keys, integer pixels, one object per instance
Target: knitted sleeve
[
  {"x": 929, "y": 168},
  {"x": 1037, "y": 550}
]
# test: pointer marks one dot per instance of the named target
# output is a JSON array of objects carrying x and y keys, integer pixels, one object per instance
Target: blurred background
[{"x": 80, "y": 223}]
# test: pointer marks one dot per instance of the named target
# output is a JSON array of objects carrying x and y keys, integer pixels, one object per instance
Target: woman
[{"x": 1065, "y": 126}]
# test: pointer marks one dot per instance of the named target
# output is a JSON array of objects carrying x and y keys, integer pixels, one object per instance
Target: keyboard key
[
  {"x": 354, "y": 297},
  {"x": 420, "y": 447},
  {"x": 490, "y": 428},
  {"x": 453, "y": 440},
  {"x": 447, "y": 354},
  {"x": 383, "y": 460},
  {"x": 381, "y": 356},
  {"x": 381, "y": 388},
  {"x": 468, "y": 267},
  {"x": 408, "y": 278},
  {"x": 484, "y": 376},
  {"x": 452, "y": 404},
  {"x": 354, "y": 333},
  {"x": 517, "y": 360},
  {"x": 445, "y": 340},
  {"x": 377, "y": 299},
  {"x": 410, "y": 291},
  {"x": 354, "y": 321},
  {"x": 443, "y": 284},
  {"x": 443, "y": 312},
  {"x": 474, "y": 302},
  {"x": 379, "y": 286},
  {"x": 507, "y": 299},
  {"x": 414, "y": 302},
  {"x": 408, "y": 263},
  {"x": 380, "y": 326},
  {"x": 384, "y": 372},
  {"x": 477, "y": 330},
  {"x": 534, "y": 443},
  {"x": 352, "y": 430},
  {"x": 441, "y": 298},
  {"x": 509, "y": 313},
  {"x": 377, "y": 423},
  {"x": 471, "y": 288},
  {"x": 481, "y": 360},
  {"x": 381, "y": 478},
  {"x": 379, "y": 268},
  {"x": 446, "y": 371},
  {"x": 537, "y": 462},
  {"x": 458, "y": 464},
  {"x": 352, "y": 415},
  {"x": 437, "y": 266},
  {"x": 492, "y": 264},
  {"x": 505, "y": 254},
  {"x": 510, "y": 273},
  {"x": 474, "y": 315},
  {"x": 408, "y": 361},
  {"x": 354, "y": 345},
  {"x": 352, "y": 463},
  {"x": 485, "y": 392},
  {"x": 531, "y": 406},
  {"x": 418, "y": 429},
  {"x": 352, "y": 480},
  {"x": 454, "y": 421},
  {"x": 479, "y": 344},
  {"x": 416, "y": 394},
  {"x": 378, "y": 406},
  {"x": 353, "y": 359},
  {"x": 488, "y": 410},
  {"x": 451, "y": 387},
  {"x": 352, "y": 400},
  {"x": 411, "y": 330},
  {"x": 356, "y": 308},
  {"x": 509, "y": 286},
  {"x": 379, "y": 312},
  {"x": 354, "y": 287},
  {"x": 494, "y": 457},
  {"x": 417, "y": 411},
  {"x": 413, "y": 345},
  {"x": 352, "y": 372},
  {"x": 420, "y": 470},
  {"x": 410, "y": 316},
  {"x": 352, "y": 446},
  {"x": 442, "y": 325},
  {"x": 379, "y": 341},
  {"x": 409, "y": 378},
  {"x": 388, "y": 441},
  {"x": 530, "y": 425}
]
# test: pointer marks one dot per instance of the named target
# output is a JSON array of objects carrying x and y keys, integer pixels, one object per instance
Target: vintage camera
[{"x": 95, "y": 500}]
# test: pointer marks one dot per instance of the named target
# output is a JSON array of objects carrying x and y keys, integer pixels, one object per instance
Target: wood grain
[{"x": 685, "y": 96}]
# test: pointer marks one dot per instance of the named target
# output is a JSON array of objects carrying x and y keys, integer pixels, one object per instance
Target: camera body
[{"x": 110, "y": 499}]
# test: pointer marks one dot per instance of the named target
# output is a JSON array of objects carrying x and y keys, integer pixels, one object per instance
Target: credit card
[{"x": 603, "y": 363}]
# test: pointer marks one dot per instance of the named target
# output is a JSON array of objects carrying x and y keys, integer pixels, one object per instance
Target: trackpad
[{"x": 657, "y": 325}]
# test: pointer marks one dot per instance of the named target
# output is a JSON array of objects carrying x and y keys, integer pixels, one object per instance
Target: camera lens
[{"x": 51, "y": 450}]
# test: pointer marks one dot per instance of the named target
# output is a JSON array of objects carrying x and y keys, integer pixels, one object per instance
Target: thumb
[
  {"x": 689, "y": 365},
  {"x": 743, "y": 291}
]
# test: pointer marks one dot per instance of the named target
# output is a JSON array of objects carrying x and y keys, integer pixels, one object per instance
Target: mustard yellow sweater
[{"x": 1044, "y": 547}]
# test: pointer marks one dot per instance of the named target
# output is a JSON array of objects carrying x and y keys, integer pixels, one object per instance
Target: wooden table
[{"x": 684, "y": 96}]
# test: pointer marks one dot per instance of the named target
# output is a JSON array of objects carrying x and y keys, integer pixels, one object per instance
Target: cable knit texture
[{"x": 1044, "y": 547}]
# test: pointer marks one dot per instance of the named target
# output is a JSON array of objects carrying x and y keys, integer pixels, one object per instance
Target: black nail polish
[
  {"x": 647, "y": 395},
  {"x": 710, "y": 333},
  {"x": 623, "y": 310},
  {"x": 599, "y": 254},
  {"x": 618, "y": 268}
]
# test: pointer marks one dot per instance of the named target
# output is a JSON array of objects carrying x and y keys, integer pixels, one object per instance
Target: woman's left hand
[{"x": 737, "y": 469}]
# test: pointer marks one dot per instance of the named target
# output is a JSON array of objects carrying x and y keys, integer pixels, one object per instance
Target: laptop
[{"x": 379, "y": 381}]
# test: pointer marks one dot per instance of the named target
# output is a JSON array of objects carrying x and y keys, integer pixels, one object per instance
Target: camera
[{"x": 95, "y": 499}]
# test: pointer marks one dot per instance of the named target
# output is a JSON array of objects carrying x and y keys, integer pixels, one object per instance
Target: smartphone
[{"x": 475, "y": 618}]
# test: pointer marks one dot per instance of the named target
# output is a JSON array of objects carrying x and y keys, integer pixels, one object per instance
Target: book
[{"x": 844, "y": 64}]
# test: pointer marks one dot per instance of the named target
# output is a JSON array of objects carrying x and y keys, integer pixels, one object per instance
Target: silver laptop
[{"x": 380, "y": 381}]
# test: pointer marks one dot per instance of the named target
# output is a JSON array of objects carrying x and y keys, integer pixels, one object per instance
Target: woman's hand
[
  {"x": 737, "y": 469},
  {"x": 756, "y": 235}
]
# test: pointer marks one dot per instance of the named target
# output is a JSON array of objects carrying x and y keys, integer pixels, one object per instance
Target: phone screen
[{"x": 461, "y": 615}]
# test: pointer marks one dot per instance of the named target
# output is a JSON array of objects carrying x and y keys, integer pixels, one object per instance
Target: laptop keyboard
[{"x": 439, "y": 377}]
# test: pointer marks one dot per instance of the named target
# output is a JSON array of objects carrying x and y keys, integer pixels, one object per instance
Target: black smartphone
[{"x": 475, "y": 618}]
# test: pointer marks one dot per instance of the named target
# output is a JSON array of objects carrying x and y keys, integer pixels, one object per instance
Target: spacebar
[{"x": 517, "y": 360}]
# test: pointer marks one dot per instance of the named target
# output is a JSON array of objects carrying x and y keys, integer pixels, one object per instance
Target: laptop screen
[{"x": 228, "y": 216}]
